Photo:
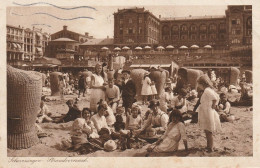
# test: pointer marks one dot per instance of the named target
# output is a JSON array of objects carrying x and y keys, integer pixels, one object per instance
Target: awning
[
  {"x": 38, "y": 49},
  {"x": 14, "y": 45},
  {"x": 165, "y": 65},
  {"x": 38, "y": 34},
  {"x": 145, "y": 65},
  {"x": 134, "y": 65},
  {"x": 19, "y": 46}
]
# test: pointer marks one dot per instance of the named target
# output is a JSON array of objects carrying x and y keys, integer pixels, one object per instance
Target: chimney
[
  {"x": 86, "y": 34},
  {"x": 65, "y": 27},
  {"x": 159, "y": 16}
]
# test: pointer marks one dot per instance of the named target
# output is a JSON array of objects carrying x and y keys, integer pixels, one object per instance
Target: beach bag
[
  {"x": 55, "y": 84},
  {"x": 24, "y": 89}
]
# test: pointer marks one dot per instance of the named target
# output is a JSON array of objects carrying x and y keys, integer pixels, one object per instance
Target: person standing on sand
[
  {"x": 208, "y": 118},
  {"x": 146, "y": 87},
  {"x": 128, "y": 91},
  {"x": 98, "y": 79}
]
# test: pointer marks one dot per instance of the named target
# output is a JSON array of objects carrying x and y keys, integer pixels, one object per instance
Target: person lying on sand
[{"x": 169, "y": 142}]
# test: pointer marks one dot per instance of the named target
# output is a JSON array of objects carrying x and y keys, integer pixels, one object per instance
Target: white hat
[{"x": 110, "y": 145}]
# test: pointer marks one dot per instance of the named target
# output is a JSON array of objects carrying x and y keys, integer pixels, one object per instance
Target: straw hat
[{"x": 110, "y": 145}]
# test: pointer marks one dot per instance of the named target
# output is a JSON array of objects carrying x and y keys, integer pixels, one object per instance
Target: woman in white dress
[
  {"x": 97, "y": 83},
  {"x": 208, "y": 118},
  {"x": 169, "y": 142},
  {"x": 146, "y": 87}
]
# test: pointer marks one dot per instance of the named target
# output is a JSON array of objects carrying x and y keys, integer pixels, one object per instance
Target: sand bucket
[{"x": 23, "y": 103}]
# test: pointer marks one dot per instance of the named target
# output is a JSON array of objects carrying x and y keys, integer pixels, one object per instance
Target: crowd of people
[{"x": 114, "y": 118}]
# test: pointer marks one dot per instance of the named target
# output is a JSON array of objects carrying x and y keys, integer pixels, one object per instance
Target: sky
[{"x": 101, "y": 21}]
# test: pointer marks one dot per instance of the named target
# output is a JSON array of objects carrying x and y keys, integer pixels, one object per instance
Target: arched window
[
  {"x": 212, "y": 27},
  {"x": 203, "y": 27},
  {"x": 193, "y": 27},
  {"x": 184, "y": 28}
]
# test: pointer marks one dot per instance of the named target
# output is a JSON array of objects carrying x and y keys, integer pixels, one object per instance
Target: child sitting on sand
[
  {"x": 169, "y": 142},
  {"x": 44, "y": 112},
  {"x": 134, "y": 121},
  {"x": 224, "y": 109}
]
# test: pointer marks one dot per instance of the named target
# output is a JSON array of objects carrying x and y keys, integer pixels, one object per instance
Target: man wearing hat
[
  {"x": 157, "y": 120},
  {"x": 128, "y": 90}
]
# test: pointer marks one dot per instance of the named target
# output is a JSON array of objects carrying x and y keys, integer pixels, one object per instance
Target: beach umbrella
[
  {"x": 147, "y": 47},
  {"x": 125, "y": 48},
  {"x": 160, "y": 47},
  {"x": 207, "y": 46},
  {"x": 194, "y": 46},
  {"x": 183, "y": 47},
  {"x": 104, "y": 48},
  {"x": 117, "y": 49},
  {"x": 138, "y": 48},
  {"x": 169, "y": 47}
]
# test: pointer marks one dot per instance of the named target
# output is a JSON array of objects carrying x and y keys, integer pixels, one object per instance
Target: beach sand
[{"x": 236, "y": 139}]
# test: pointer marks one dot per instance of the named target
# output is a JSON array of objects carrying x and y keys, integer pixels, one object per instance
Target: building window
[
  {"x": 212, "y": 27},
  {"x": 203, "y": 27},
  {"x": 235, "y": 21},
  {"x": 249, "y": 32},
  {"x": 140, "y": 30},
  {"x": 203, "y": 36},
  {"x": 175, "y": 28},
  {"x": 140, "y": 20},
  {"x": 121, "y": 31},
  {"x": 120, "y": 21},
  {"x": 130, "y": 21},
  {"x": 238, "y": 31},
  {"x": 193, "y": 37},
  {"x": 184, "y": 37},
  {"x": 193, "y": 28},
  {"x": 130, "y": 31},
  {"x": 175, "y": 37},
  {"x": 235, "y": 41},
  {"x": 213, "y": 36},
  {"x": 184, "y": 28}
]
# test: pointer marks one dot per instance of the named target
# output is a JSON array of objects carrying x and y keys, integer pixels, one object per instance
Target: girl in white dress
[
  {"x": 208, "y": 118},
  {"x": 146, "y": 87},
  {"x": 98, "y": 79},
  {"x": 169, "y": 142}
]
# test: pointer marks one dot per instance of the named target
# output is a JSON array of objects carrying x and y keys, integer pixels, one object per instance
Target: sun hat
[
  {"x": 126, "y": 71},
  {"x": 110, "y": 145}
]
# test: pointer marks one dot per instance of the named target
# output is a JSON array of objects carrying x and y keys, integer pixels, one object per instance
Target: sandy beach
[{"x": 236, "y": 139}]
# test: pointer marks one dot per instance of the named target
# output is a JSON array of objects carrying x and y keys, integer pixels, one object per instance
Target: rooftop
[
  {"x": 193, "y": 17},
  {"x": 104, "y": 41},
  {"x": 64, "y": 39}
]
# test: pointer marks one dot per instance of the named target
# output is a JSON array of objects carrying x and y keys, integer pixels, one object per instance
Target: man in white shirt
[{"x": 112, "y": 94}]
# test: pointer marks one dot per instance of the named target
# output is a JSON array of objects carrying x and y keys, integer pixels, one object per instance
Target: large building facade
[
  {"x": 24, "y": 44},
  {"x": 137, "y": 26}
]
